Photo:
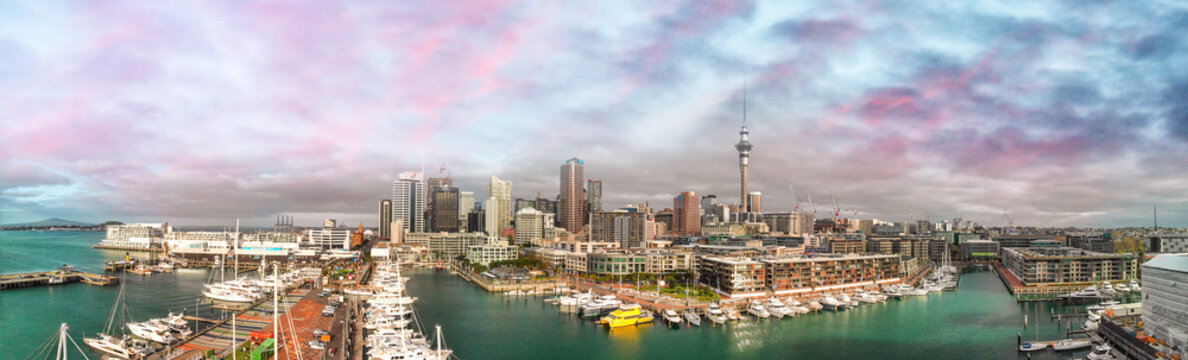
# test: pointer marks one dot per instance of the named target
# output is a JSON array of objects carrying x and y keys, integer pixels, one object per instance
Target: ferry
[{"x": 627, "y": 315}]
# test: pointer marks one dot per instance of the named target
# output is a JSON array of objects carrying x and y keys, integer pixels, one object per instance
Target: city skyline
[{"x": 138, "y": 112}]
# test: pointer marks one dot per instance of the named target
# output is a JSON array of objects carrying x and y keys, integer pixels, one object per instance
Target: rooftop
[{"x": 1170, "y": 262}]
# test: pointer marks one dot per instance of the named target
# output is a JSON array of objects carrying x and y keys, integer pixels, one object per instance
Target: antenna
[{"x": 744, "y": 103}]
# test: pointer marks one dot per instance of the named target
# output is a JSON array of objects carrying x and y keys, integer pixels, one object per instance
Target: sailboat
[
  {"x": 1037, "y": 345},
  {"x": 122, "y": 347},
  {"x": 62, "y": 352}
]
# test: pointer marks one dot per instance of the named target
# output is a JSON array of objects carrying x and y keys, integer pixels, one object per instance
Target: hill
[{"x": 49, "y": 223}]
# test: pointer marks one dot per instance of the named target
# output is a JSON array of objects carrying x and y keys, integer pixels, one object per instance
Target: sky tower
[{"x": 744, "y": 154}]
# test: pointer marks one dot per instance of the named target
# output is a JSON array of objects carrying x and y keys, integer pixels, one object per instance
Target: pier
[
  {"x": 218, "y": 337},
  {"x": 20, "y": 281}
]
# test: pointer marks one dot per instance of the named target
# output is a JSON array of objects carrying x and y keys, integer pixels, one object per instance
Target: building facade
[
  {"x": 385, "y": 219},
  {"x": 465, "y": 206},
  {"x": 616, "y": 263},
  {"x": 1068, "y": 265},
  {"x": 489, "y": 253},
  {"x": 498, "y": 206},
  {"x": 445, "y": 246},
  {"x": 1165, "y": 299},
  {"x": 445, "y": 210},
  {"x": 572, "y": 203},
  {"x": 799, "y": 274},
  {"x": 328, "y": 238},
  {"x": 627, "y": 229},
  {"x": 734, "y": 277},
  {"x": 686, "y": 216},
  {"x": 529, "y": 226},
  {"x": 408, "y": 202}
]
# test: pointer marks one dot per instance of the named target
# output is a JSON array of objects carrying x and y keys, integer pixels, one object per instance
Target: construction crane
[
  {"x": 442, "y": 170},
  {"x": 810, "y": 198},
  {"x": 1010, "y": 223},
  {"x": 836, "y": 210},
  {"x": 797, "y": 208}
]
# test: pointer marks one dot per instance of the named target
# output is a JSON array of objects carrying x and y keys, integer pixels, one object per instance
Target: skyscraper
[
  {"x": 753, "y": 202},
  {"x": 529, "y": 226},
  {"x": 569, "y": 210},
  {"x": 385, "y": 219},
  {"x": 628, "y": 229},
  {"x": 685, "y": 210},
  {"x": 465, "y": 205},
  {"x": 431, "y": 186},
  {"x": 594, "y": 195},
  {"x": 408, "y": 202},
  {"x": 445, "y": 210},
  {"x": 498, "y": 206}
]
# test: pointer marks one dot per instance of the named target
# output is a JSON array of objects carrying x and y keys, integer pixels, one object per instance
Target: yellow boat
[{"x": 627, "y": 315}]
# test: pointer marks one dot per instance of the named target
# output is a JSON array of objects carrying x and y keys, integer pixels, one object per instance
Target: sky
[{"x": 1058, "y": 113}]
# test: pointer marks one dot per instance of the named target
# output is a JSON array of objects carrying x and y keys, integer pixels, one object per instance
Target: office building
[
  {"x": 445, "y": 246},
  {"x": 529, "y": 226},
  {"x": 465, "y": 206},
  {"x": 385, "y": 219},
  {"x": 408, "y": 202},
  {"x": 570, "y": 208},
  {"x": 476, "y": 221},
  {"x": 979, "y": 250},
  {"x": 489, "y": 253},
  {"x": 431, "y": 186},
  {"x": 445, "y": 210},
  {"x": 753, "y": 202},
  {"x": 1165, "y": 299},
  {"x": 685, "y": 210},
  {"x": 616, "y": 263},
  {"x": 498, "y": 206},
  {"x": 594, "y": 196},
  {"x": 627, "y": 229}
]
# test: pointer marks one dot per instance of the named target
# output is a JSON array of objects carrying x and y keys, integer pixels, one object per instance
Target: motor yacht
[
  {"x": 831, "y": 304},
  {"x": 122, "y": 348},
  {"x": 1100, "y": 352},
  {"x": 671, "y": 318},
  {"x": 1070, "y": 344},
  {"x": 777, "y": 308},
  {"x": 600, "y": 306},
  {"x": 758, "y": 310},
  {"x": 715, "y": 314},
  {"x": 152, "y": 331},
  {"x": 692, "y": 318}
]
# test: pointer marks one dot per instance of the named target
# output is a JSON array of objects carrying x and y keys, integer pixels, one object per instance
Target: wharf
[
  {"x": 502, "y": 286},
  {"x": 220, "y": 337},
  {"x": 128, "y": 248},
  {"x": 1034, "y": 293},
  {"x": 19, "y": 281}
]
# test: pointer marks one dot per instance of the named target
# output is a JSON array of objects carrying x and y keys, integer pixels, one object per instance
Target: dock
[
  {"x": 201, "y": 319},
  {"x": 254, "y": 317},
  {"x": 46, "y": 278}
]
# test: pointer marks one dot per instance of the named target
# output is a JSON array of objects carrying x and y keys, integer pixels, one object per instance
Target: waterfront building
[
  {"x": 825, "y": 272},
  {"x": 498, "y": 206},
  {"x": 408, "y": 202},
  {"x": 616, "y": 263},
  {"x": 577, "y": 262},
  {"x": 445, "y": 246},
  {"x": 979, "y": 250},
  {"x": 908, "y": 265},
  {"x": 199, "y": 239},
  {"x": 585, "y": 246},
  {"x": 624, "y": 228},
  {"x": 666, "y": 262},
  {"x": 465, "y": 206},
  {"x": 1068, "y": 265},
  {"x": 847, "y": 246},
  {"x": 488, "y": 253},
  {"x": 135, "y": 236},
  {"x": 445, "y": 210},
  {"x": 1165, "y": 299},
  {"x": 594, "y": 196},
  {"x": 328, "y": 238},
  {"x": 529, "y": 226},
  {"x": 685, "y": 218},
  {"x": 385, "y": 219},
  {"x": 733, "y": 251},
  {"x": 570, "y": 208},
  {"x": 553, "y": 257},
  {"x": 1167, "y": 243},
  {"x": 734, "y": 277}
]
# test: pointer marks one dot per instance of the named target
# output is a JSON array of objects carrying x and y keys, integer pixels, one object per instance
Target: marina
[{"x": 47, "y": 278}]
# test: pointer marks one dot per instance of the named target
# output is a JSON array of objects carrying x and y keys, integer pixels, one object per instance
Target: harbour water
[{"x": 979, "y": 321}]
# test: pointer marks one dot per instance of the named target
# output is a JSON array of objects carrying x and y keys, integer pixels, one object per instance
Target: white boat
[
  {"x": 600, "y": 306},
  {"x": 865, "y": 297},
  {"x": 359, "y": 292},
  {"x": 715, "y": 314},
  {"x": 1122, "y": 288},
  {"x": 122, "y": 348},
  {"x": 732, "y": 314},
  {"x": 1134, "y": 286},
  {"x": 831, "y": 304},
  {"x": 1070, "y": 344},
  {"x": 1100, "y": 352},
  {"x": 222, "y": 294},
  {"x": 692, "y": 318},
  {"x": 777, "y": 308},
  {"x": 796, "y": 306},
  {"x": 1090, "y": 325},
  {"x": 758, "y": 310},
  {"x": 152, "y": 331},
  {"x": 670, "y": 316},
  {"x": 1033, "y": 346},
  {"x": 846, "y": 301}
]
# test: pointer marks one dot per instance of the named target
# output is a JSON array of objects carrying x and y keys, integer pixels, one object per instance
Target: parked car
[
  {"x": 320, "y": 332},
  {"x": 324, "y": 294},
  {"x": 317, "y": 344}
]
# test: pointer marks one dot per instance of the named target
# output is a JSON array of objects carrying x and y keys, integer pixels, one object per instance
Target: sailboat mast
[
  {"x": 236, "y": 249},
  {"x": 275, "y": 311}
]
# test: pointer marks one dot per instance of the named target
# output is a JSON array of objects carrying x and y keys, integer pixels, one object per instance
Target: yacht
[
  {"x": 1134, "y": 286},
  {"x": 152, "y": 331},
  {"x": 1122, "y": 288},
  {"x": 578, "y": 299},
  {"x": 865, "y": 297},
  {"x": 692, "y": 318},
  {"x": 757, "y": 310},
  {"x": 1070, "y": 344},
  {"x": 600, "y": 306},
  {"x": 715, "y": 314},
  {"x": 845, "y": 300},
  {"x": 1089, "y": 294},
  {"x": 796, "y": 306},
  {"x": 831, "y": 304},
  {"x": 777, "y": 308},
  {"x": 223, "y": 294},
  {"x": 122, "y": 348},
  {"x": 732, "y": 314},
  {"x": 1107, "y": 289},
  {"x": 1100, "y": 352},
  {"x": 359, "y": 292},
  {"x": 627, "y": 315},
  {"x": 1037, "y": 346},
  {"x": 670, "y": 316}
]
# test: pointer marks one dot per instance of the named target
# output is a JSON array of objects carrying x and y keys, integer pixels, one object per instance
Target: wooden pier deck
[{"x": 46, "y": 278}]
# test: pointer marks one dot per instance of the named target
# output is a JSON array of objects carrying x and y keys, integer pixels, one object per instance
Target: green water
[
  {"x": 980, "y": 321},
  {"x": 30, "y": 316}
]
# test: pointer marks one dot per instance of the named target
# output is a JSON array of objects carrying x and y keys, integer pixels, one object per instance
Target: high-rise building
[
  {"x": 545, "y": 205},
  {"x": 707, "y": 203},
  {"x": 529, "y": 226},
  {"x": 476, "y": 221},
  {"x": 498, "y": 206},
  {"x": 465, "y": 206},
  {"x": 431, "y": 186},
  {"x": 628, "y": 229},
  {"x": 594, "y": 195},
  {"x": 445, "y": 210},
  {"x": 408, "y": 202},
  {"x": 685, "y": 210},
  {"x": 570, "y": 212},
  {"x": 385, "y": 219},
  {"x": 522, "y": 204},
  {"x": 744, "y": 156},
  {"x": 753, "y": 202}
]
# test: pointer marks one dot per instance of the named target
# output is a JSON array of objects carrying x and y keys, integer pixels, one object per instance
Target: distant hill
[{"x": 49, "y": 223}]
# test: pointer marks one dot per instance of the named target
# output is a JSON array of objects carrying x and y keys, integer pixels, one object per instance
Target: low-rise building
[
  {"x": 847, "y": 246},
  {"x": 825, "y": 272},
  {"x": 734, "y": 277},
  {"x": 328, "y": 238},
  {"x": 667, "y": 262},
  {"x": 616, "y": 263},
  {"x": 979, "y": 250},
  {"x": 445, "y": 246},
  {"x": 1168, "y": 243},
  {"x": 1068, "y": 265},
  {"x": 489, "y": 253},
  {"x": 1165, "y": 299}
]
